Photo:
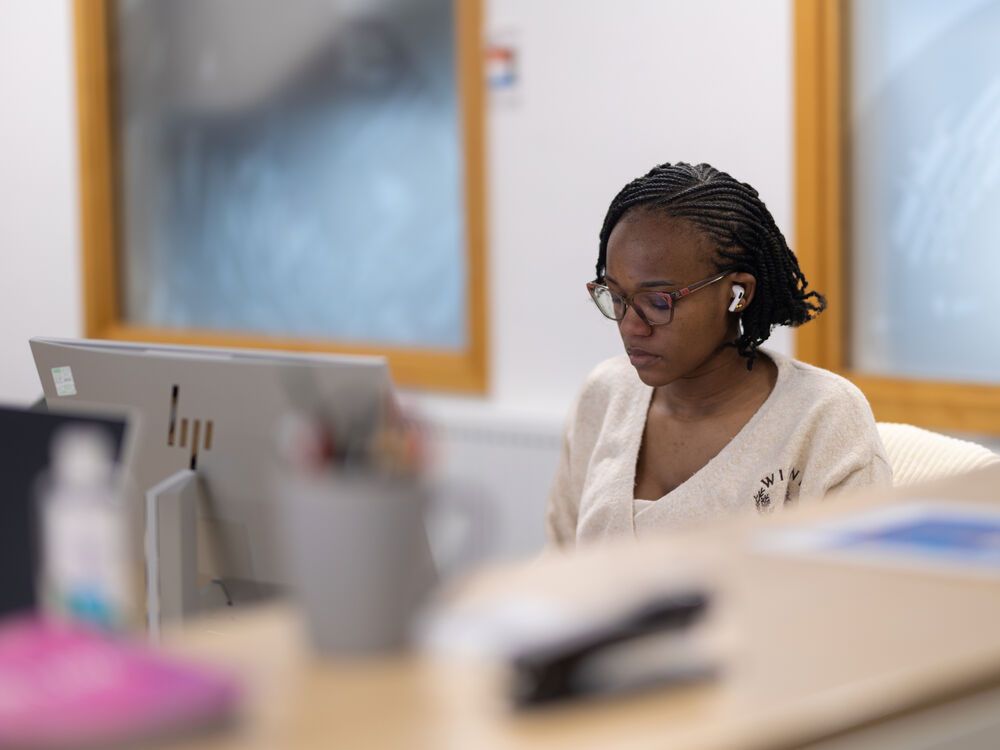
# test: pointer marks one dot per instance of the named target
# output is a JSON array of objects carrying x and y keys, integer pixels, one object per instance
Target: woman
[{"x": 697, "y": 423}]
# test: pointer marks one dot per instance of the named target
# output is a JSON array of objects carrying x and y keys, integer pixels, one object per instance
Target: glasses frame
[{"x": 594, "y": 287}]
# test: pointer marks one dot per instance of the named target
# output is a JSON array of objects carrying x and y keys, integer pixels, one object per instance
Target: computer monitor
[
  {"x": 25, "y": 444},
  {"x": 208, "y": 422}
]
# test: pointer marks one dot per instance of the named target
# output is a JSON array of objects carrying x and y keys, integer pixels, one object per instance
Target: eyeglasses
[{"x": 655, "y": 308}]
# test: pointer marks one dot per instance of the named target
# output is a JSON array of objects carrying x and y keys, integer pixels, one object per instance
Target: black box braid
[{"x": 732, "y": 214}]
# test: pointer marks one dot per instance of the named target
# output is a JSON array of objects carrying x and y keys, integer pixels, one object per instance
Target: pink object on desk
[{"x": 62, "y": 685}]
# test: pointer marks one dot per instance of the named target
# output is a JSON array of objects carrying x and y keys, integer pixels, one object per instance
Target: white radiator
[{"x": 495, "y": 473}]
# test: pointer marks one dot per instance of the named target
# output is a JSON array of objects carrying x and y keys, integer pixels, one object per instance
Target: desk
[{"x": 830, "y": 652}]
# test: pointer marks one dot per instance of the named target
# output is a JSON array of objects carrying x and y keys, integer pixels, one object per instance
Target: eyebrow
[{"x": 645, "y": 284}]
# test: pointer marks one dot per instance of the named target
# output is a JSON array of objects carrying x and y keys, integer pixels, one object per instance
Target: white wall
[
  {"x": 39, "y": 261},
  {"x": 608, "y": 90}
]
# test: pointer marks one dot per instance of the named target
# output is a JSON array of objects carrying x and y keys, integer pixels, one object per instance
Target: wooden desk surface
[{"x": 823, "y": 647}]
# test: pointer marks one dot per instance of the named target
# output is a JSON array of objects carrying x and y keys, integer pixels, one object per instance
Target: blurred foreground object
[
  {"x": 352, "y": 518},
  {"x": 358, "y": 557},
  {"x": 65, "y": 686},
  {"x": 26, "y": 438},
  {"x": 566, "y": 640},
  {"x": 650, "y": 646},
  {"x": 934, "y": 536},
  {"x": 85, "y": 572},
  {"x": 837, "y": 655},
  {"x": 201, "y": 516}
]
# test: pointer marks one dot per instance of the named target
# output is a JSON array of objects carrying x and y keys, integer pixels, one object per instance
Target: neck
[{"x": 720, "y": 382}]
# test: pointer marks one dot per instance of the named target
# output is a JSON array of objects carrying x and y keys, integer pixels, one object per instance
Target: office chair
[{"x": 917, "y": 455}]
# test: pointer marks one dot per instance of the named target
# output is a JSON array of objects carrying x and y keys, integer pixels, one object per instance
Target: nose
[{"x": 633, "y": 324}]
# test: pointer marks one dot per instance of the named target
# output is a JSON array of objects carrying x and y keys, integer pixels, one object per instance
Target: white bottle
[{"x": 84, "y": 543}]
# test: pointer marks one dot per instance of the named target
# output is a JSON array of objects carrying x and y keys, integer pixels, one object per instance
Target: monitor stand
[{"x": 172, "y": 590}]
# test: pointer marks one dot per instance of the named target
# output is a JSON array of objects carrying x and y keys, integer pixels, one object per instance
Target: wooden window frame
[
  {"x": 464, "y": 371},
  {"x": 822, "y": 236}
]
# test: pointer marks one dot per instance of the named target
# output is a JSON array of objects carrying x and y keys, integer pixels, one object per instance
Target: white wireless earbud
[{"x": 737, "y": 297}]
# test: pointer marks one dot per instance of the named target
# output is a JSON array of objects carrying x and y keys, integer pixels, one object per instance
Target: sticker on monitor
[{"x": 63, "y": 378}]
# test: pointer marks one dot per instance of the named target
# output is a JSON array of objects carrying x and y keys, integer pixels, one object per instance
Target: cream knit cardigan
[{"x": 813, "y": 436}]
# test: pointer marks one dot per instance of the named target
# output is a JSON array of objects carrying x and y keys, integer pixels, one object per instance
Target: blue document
[
  {"x": 938, "y": 534},
  {"x": 945, "y": 534}
]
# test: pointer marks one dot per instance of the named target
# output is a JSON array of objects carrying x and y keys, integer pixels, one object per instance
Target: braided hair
[{"x": 732, "y": 214}]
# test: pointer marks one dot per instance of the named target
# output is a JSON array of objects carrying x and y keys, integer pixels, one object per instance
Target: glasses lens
[
  {"x": 607, "y": 302},
  {"x": 657, "y": 308}
]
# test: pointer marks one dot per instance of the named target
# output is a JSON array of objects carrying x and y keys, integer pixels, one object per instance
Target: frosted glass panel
[
  {"x": 925, "y": 192},
  {"x": 293, "y": 168}
]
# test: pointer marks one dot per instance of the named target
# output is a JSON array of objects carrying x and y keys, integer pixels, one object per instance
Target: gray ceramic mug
[{"x": 357, "y": 556}]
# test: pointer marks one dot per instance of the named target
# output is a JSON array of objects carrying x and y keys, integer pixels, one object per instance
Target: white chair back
[{"x": 918, "y": 455}]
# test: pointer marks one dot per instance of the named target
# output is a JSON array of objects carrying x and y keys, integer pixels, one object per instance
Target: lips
[{"x": 640, "y": 357}]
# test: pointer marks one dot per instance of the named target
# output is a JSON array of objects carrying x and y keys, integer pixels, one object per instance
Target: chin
[{"x": 654, "y": 376}]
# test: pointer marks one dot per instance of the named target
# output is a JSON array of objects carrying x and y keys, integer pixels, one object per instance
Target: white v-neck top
[{"x": 814, "y": 435}]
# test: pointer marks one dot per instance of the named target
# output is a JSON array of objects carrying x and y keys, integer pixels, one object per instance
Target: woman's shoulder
[
  {"x": 812, "y": 389},
  {"x": 832, "y": 421},
  {"x": 815, "y": 382}
]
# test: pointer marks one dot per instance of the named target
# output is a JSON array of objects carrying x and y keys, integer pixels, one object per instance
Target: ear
[{"x": 749, "y": 284}]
